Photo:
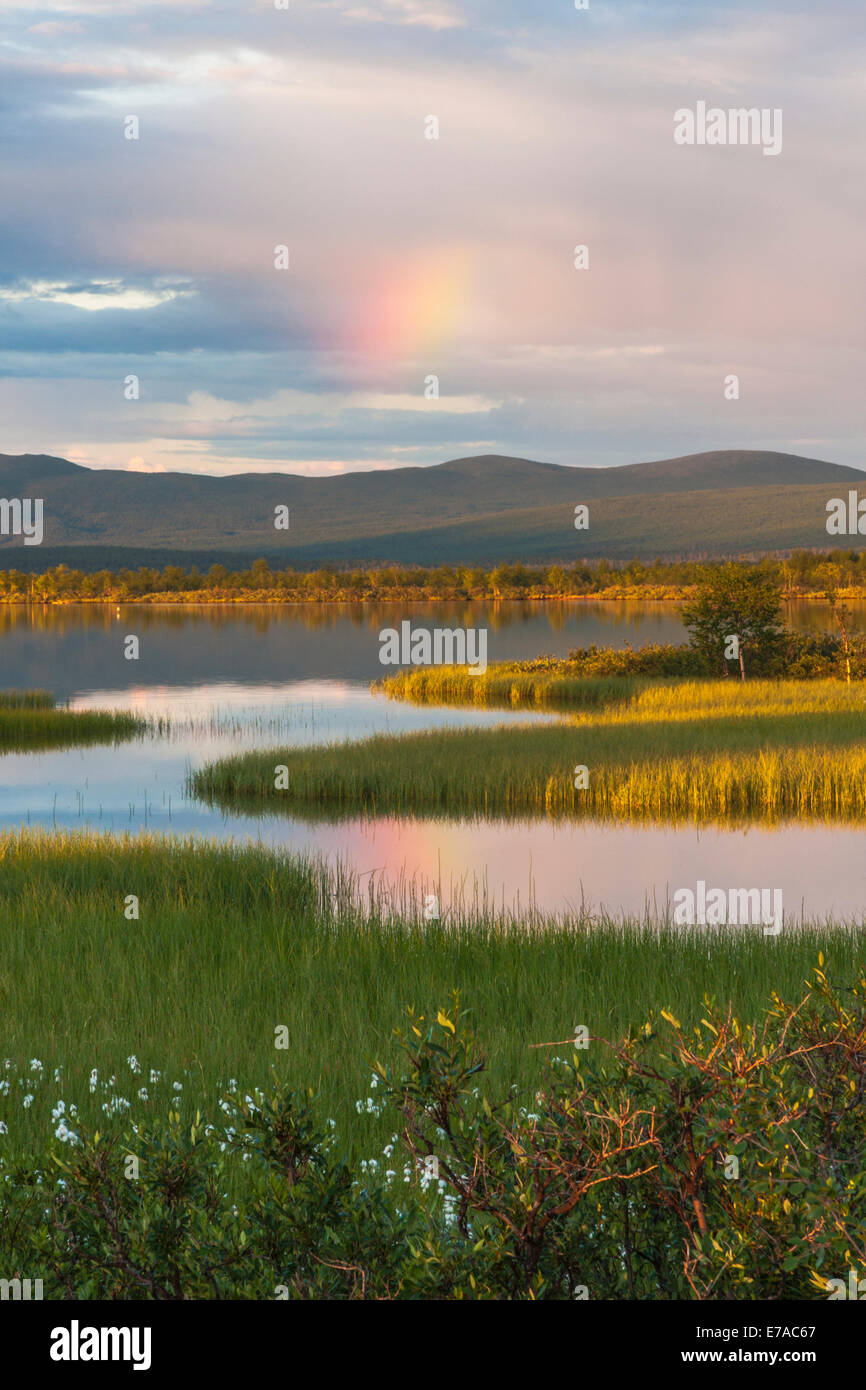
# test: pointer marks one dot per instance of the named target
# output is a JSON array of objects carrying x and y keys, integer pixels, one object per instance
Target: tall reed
[
  {"x": 693, "y": 750},
  {"x": 232, "y": 942}
]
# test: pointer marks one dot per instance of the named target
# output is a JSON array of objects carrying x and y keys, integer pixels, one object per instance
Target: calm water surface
[{"x": 255, "y": 676}]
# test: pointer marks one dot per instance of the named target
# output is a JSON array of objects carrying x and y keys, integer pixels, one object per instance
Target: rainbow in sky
[{"x": 418, "y": 305}]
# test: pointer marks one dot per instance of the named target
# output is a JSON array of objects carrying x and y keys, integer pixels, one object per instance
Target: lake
[{"x": 249, "y": 676}]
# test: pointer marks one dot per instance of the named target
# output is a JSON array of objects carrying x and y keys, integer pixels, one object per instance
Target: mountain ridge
[
  {"x": 682, "y": 466},
  {"x": 485, "y": 507}
]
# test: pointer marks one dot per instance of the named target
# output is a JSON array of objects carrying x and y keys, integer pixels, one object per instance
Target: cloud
[
  {"x": 52, "y": 29},
  {"x": 95, "y": 296},
  {"x": 137, "y": 464},
  {"x": 297, "y": 404},
  {"x": 413, "y": 257},
  {"x": 411, "y": 12},
  {"x": 106, "y": 8}
]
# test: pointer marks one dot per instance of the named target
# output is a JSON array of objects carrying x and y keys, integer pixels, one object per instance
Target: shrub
[{"x": 727, "y": 1163}]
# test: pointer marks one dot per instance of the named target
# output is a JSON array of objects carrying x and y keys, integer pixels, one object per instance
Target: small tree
[
  {"x": 735, "y": 602},
  {"x": 842, "y": 615}
]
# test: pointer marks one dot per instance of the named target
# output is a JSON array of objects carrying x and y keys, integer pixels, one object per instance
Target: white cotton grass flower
[
  {"x": 116, "y": 1106},
  {"x": 133, "y": 1064},
  {"x": 94, "y": 1080},
  {"x": 368, "y": 1107},
  {"x": 4, "y": 1128},
  {"x": 36, "y": 1065},
  {"x": 61, "y": 1109},
  {"x": 230, "y": 1134},
  {"x": 28, "y": 1101}
]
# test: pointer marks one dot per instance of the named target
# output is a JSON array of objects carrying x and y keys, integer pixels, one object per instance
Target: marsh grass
[
  {"x": 233, "y": 941},
  {"x": 26, "y": 699},
  {"x": 30, "y": 721},
  {"x": 541, "y": 684},
  {"x": 672, "y": 751}
]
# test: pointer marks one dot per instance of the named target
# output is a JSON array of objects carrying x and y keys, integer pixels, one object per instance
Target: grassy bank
[
  {"x": 669, "y": 751},
  {"x": 232, "y": 943},
  {"x": 543, "y": 683},
  {"x": 31, "y": 722},
  {"x": 615, "y": 1182},
  {"x": 598, "y": 675}
]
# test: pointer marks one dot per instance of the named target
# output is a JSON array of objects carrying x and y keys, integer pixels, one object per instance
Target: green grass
[
  {"x": 26, "y": 699},
  {"x": 546, "y": 683},
  {"x": 671, "y": 751},
  {"x": 233, "y": 942},
  {"x": 30, "y": 722}
]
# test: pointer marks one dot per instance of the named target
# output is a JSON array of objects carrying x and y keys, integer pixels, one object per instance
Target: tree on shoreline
[
  {"x": 735, "y": 613},
  {"x": 842, "y": 614}
]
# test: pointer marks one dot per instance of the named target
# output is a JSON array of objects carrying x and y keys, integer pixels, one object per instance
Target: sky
[{"x": 419, "y": 265}]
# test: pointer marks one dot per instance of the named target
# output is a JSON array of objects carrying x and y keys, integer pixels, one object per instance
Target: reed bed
[
  {"x": 674, "y": 751},
  {"x": 509, "y": 685},
  {"x": 31, "y": 722},
  {"x": 563, "y": 683},
  {"x": 234, "y": 941},
  {"x": 26, "y": 699}
]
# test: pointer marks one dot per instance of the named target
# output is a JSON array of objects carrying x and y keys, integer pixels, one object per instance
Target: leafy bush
[
  {"x": 655, "y": 659},
  {"x": 727, "y": 1163},
  {"x": 796, "y": 656}
]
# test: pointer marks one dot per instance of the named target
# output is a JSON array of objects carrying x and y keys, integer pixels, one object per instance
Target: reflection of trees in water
[
  {"x": 804, "y": 615},
  {"x": 498, "y": 615},
  {"x": 261, "y": 617}
]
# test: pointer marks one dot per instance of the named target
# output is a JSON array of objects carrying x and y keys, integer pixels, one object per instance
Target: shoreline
[{"x": 270, "y": 599}]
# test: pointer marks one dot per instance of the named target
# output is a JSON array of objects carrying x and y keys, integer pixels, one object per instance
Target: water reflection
[
  {"x": 74, "y": 649},
  {"x": 257, "y": 676}
]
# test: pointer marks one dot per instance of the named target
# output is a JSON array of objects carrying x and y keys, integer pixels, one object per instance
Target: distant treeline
[{"x": 802, "y": 573}]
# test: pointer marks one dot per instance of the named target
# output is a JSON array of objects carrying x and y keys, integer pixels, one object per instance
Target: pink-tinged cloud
[{"x": 137, "y": 464}]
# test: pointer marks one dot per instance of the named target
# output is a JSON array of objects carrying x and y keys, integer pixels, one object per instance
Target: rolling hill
[{"x": 475, "y": 510}]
